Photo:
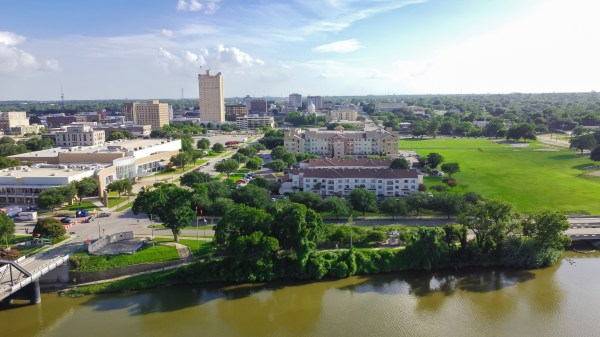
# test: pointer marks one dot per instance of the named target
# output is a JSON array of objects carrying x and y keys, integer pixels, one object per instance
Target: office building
[
  {"x": 212, "y": 100},
  {"x": 342, "y": 114},
  {"x": 258, "y": 105},
  {"x": 78, "y": 135},
  {"x": 295, "y": 100},
  {"x": 233, "y": 111},
  {"x": 155, "y": 114},
  {"x": 58, "y": 120},
  {"x": 316, "y": 100}
]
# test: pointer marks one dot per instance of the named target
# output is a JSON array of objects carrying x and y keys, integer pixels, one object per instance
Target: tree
[
  {"x": 450, "y": 168},
  {"x": 394, "y": 206},
  {"x": 277, "y": 165},
  {"x": 194, "y": 177},
  {"x": 492, "y": 221},
  {"x": 308, "y": 199},
  {"x": 85, "y": 187},
  {"x": 427, "y": 248},
  {"x": 595, "y": 154},
  {"x": 180, "y": 160},
  {"x": 240, "y": 158},
  {"x": 448, "y": 203},
  {"x": 584, "y": 142},
  {"x": 252, "y": 196},
  {"x": 115, "y": 135},
  {"x": 521, "y": 131},
  {"x": 7, "y": 227},
  {"x": 547, "y": 229},
  {"x": 258, "y": 147},
  {"x": 278, "y": 152},
  {"x": 254, "y": 163},
  {"x": 49, "y": 227},
  {"x": 227, "y": 166},
  {"x": 218, "y": 147},
  {"x": 247, "y": 151},
  {"x": 170, "y": 204},
  {"x": 50, "y": 199},
  {"x": 289, "y": 159},
  {"x": 363, "y": 200},
  {"x": 400, "y": 163},
  {"x": 434, "y": 159},
  {"x": 120, "y": 186},
  {"x": 203, "y": 144},
  {"x": 269, "y": 185},
  {"x": 417, "y": 201},
  {"x": 240, "y": 220},
  {"x": 338, "y": 206},
  {"x": 8, "y": 162}
]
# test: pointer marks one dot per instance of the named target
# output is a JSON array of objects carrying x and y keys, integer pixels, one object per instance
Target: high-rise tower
[{"x": 212, "y": 102}]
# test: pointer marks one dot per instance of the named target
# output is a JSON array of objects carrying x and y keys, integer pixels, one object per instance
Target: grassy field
[
  {"x": 205, "y": 246},
  {"x": 84, "y": 205},
  {"x": 148, "y": 254},
  {"x": 532, "y": 178}
]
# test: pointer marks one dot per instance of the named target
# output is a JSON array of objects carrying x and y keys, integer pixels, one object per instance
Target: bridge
[
  {"x": 583, "y": 229},
  {"x": 21, "y": 279}
]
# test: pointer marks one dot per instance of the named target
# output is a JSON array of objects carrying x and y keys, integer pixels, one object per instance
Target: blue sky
[{"x": 152, "y": 49}]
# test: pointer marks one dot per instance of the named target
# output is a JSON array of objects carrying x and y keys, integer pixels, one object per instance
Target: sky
[{"x": 144, "y": 49}]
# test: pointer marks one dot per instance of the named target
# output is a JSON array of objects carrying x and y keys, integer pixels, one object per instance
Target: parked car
[
  {"x": 66, "y": 220},
  {"x": 103, "y": 215}
]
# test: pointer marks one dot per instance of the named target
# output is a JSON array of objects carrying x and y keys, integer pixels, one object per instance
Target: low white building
[
  {"x": 23, "y": 184},
  {"x": 341, "y": 181},
  {"x": 253, "y": 122}
]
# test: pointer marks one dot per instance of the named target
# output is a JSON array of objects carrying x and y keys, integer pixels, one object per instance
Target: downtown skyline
[{"x": 153, "y": 49}]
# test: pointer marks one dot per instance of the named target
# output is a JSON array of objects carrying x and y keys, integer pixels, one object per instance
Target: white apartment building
[
  {"x": 13, "y": 119},
  {"x": 342, "y": 114},
  {"x": 253, "y": 122},
  {"x": 212, "y": 100},
  {"x": 339, "y": 143},
  {"x": 78, "y": 135},
  {"x": 384, "y": 182}
]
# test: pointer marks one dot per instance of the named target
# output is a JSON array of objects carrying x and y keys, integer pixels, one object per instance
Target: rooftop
[
  {"x": 383, "y": 173},
  {"x": 347, "y": 162},
  {"x": 46, "y": 171}
]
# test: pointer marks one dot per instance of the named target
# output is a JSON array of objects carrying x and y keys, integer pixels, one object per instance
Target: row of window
[{"x": 339, "y": 181}]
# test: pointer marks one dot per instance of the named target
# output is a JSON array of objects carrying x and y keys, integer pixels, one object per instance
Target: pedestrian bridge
[{"x": 20, "y": 279}]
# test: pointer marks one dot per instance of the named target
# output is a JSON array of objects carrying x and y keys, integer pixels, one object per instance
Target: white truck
[{"x": 27, "y": 216}]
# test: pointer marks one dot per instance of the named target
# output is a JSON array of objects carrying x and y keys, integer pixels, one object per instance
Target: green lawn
[
  {"x": 126, "y": 206},
  {"x": 114, "y": 201},
  {"x": 84, "y": 205},
  {"x": 531, "y": 178},
  {"x": 148, "y": 254},
  {"x": 205, "y": 246}
]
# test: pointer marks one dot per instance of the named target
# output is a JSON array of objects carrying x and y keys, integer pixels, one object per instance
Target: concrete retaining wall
[
  {"x": 105, "y": 240},
  {"x": 83, "y": 277}
]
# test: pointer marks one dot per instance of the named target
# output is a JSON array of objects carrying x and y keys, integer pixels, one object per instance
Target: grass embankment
[
  {"x": 205, "y": 246},
  {"x": 148, "y": 254},
  {"x": 532, "y": 178},
  {"x": 84, "y": 205}
]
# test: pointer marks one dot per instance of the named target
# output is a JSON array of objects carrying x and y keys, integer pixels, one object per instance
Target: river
[{"x": 561, "y": 300}]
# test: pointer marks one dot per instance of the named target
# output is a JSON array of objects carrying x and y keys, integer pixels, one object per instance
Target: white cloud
[
  {"x": 219, "y": 57},
  {"x": 166, "y": 33},
  {"x": 339, "y": 15},
  {"x": 16, "y": 61},
  {"x": 209, "y": 6},
  {"x": 10, "y": 38},
  {"x": 343, "y": 46}
]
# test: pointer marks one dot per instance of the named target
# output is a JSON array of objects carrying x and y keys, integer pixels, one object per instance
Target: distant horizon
[
  {"x": 303, "y": 96},
  {"x": 319, "y": 47}
]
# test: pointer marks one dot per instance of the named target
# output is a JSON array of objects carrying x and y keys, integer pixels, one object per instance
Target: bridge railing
[{"x": 36, "y": 274}]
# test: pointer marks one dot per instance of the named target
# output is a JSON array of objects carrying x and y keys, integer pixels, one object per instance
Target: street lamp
[{"x": 197, "y": 231}]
